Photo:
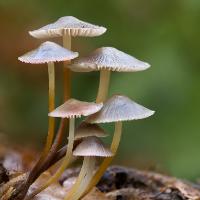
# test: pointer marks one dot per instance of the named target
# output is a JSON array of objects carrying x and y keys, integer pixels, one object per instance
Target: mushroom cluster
[{"x": 83, "y": 141}]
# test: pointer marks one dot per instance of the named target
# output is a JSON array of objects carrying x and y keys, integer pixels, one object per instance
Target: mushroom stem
[
  {"x": 83, "y": 179},
  {"x": 66, "y": 40},
  {"x": 102, "y": 168},
  {"x": 67, "y": 72},
  {"x": 65, "y": 162},
  {"x": 103, "y": 85},
  {"x": 85, "y": 182},
  {"x": 50, "y": 136}
]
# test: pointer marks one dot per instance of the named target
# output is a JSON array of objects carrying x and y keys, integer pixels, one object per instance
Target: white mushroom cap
[
  {"x": 86, "y": 130},
  {"x": 92, "y": 146},
  {"x": 108, "y": 58},
  {"x": 48, "y": 52},
  {"x": 75, "y": 108},
  {"x": 119, "y": 108},
  {"x": 71, "y": 25}
]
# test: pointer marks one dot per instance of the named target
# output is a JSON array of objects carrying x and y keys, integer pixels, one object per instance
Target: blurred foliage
[{"x": 163, "y": 33}]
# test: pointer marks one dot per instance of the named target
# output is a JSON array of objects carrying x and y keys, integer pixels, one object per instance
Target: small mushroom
[
  {"x": 119, "y": 108},
  {"x": 106, "y": 59},
  {"x": 86, "y": 129},
  {"x": 68, "y": 27},
  {"x": 49, "y": 52},
  {"x": 86, "y": 132},
  {"x": 89, "y": 148},
  {"x": 92, "y": 147},
  {"x": 75, "y": 108},
  {"x": 116, "y": 109},
  {"x": 71, "y": 109}
]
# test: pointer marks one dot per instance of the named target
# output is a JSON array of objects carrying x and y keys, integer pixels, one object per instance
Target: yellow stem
[
  {"x": 50, "y": 136},
  {"x": 86, "y": 180},
  {"x": 85, "y": 167},
  {"x": 102, "y": 168},
  {"x": 66, "y": 40},
  {"x": 67, "y": 72},
  {"x": 65, "y": 161},
  {"x": 103, "y": 85}
]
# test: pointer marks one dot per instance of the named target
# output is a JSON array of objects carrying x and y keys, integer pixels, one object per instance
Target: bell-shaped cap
[
  {"x": 75, "y": 108},
  {"x": 92, "y": 146},
  {"x": 86, "y": 130},
  {"x": 119, "y": 108},
  {"x": 108, "y": 58},
  {"x": 48, "y": 52},
  {"x": 71, "y": 25}
]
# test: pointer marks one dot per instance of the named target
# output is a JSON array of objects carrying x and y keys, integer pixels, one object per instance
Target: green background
[{"x": 163, "y": 33}]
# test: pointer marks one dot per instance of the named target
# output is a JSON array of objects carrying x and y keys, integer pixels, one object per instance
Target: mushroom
[
  {"x": 49, "y": 52},
  {"x": 106, "y": 59},
  {"x": 116, "y": 109},
  {"x": 71, "y": 109},
  {"x": 90, "y": 148},
  {"x": 68, "y": 27},
  {"x": 85, "y": 130}
]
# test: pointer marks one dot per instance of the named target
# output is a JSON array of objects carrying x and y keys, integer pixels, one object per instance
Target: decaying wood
[
  {"x": 118, "y": 183},
  {"x": 130, "y": 184},
  {"x": 124, "y": 183}
]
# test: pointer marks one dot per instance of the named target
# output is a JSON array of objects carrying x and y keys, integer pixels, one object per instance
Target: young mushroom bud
[
  {"x": 105, "y": 60},
  {"x": 90, "y": 148},
  {"x": 71, "y": 109},
  {"x": 116, "y": 109},
  {"x": 49, "y": 52}
]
